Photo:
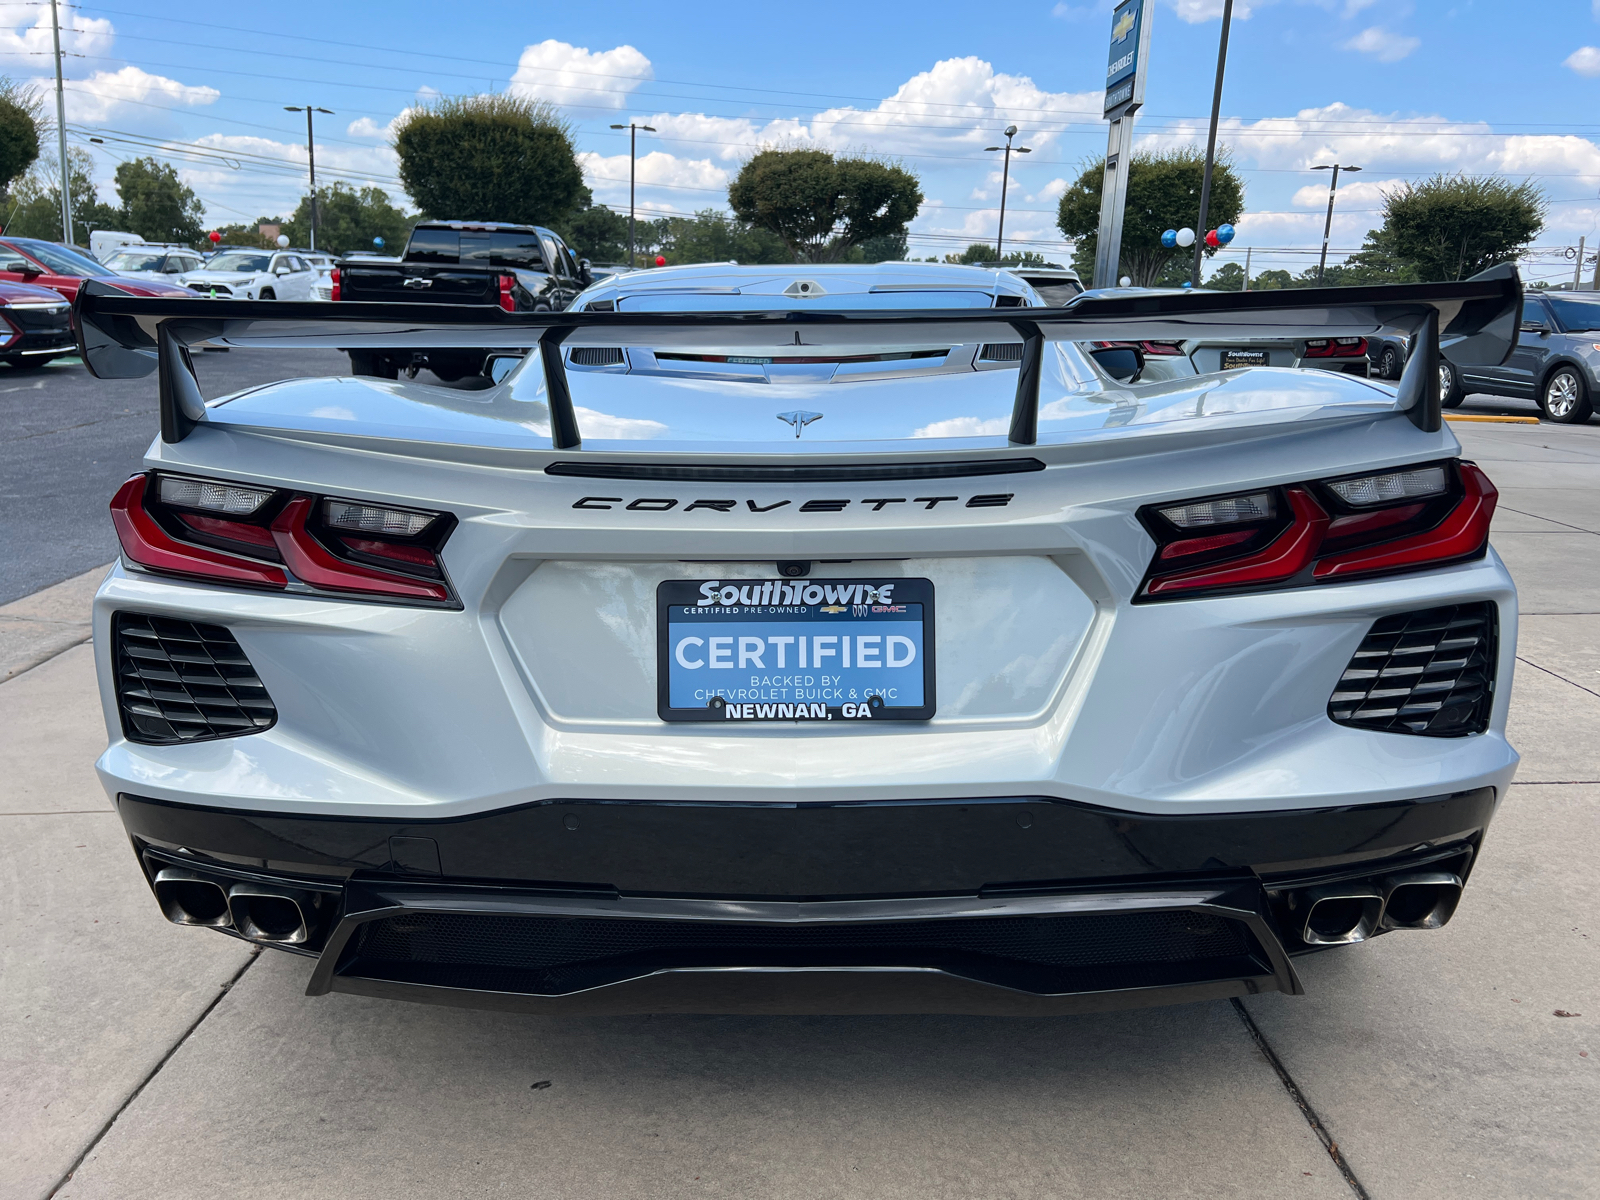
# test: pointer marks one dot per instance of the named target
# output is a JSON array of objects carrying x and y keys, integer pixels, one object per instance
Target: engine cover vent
[
  {"x": 595, "y": 356},
  {"x": 178, "y": 681},
  {"x": 1429, "y": 672}
]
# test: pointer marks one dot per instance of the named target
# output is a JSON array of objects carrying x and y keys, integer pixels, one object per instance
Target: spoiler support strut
[
  {"x": 564, "y": 433},
  {"x": 1025, "y": 409}
]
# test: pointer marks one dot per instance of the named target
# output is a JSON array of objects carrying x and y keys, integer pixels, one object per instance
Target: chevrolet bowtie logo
[
  {"x": 799, "y": 418},
  {"x": 1123, "y": 27}
]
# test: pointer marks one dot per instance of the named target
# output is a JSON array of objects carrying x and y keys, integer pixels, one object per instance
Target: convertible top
[{"x": 126, "y": 337}]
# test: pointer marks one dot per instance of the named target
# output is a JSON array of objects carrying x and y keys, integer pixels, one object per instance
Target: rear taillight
[
  {"x": 1403, "y": 519},
  {"x": 507, "y": 300},
  {"x": 1344, "y": 347},
  {"x": 265, "y": 537},
  {"x": 1159, "y": 349},
  {"x": 333, "y": 278}
]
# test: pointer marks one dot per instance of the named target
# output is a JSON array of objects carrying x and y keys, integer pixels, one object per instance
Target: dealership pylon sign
[{"x": 1125, "y": 74}]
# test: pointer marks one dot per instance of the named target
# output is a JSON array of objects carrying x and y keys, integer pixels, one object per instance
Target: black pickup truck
[{"x": 521, "y": 268}]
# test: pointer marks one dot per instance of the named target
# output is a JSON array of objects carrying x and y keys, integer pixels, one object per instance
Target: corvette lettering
[{"x": 876, "y": 503}]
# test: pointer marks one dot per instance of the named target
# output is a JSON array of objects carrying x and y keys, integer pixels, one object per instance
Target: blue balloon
[
  {"x": 378, "y": 242},
  {"x": 1224, "y": 234},
  {"x": 1187, "y": 283},
  {"x": 1169, "y": 239}
]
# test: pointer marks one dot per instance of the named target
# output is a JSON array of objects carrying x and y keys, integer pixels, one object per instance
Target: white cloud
[
  {"x": 1379, "y": 43},
  {"x": 701, "y": 182},
  {"x": 1352, "y": 7},
  {"x": 571, "y": 75},
  {"x": 25, "y": 32},
  {"x": 1195, "y": 12},
  {"x": 366, "y": 127},
  {"x": 1585, "y": 60},
  {"x": 97, "y": 97}
]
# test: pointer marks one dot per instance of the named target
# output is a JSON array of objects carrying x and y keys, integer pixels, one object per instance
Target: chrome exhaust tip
[
  {"x": 1423, "y": 900},
  {"x": 190, "y": 899},
  {"x": 1341, "y": 914},
  {"x": 267, "y": 914}
]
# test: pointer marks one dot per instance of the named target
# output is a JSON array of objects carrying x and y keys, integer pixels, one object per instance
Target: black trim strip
[{"x": 820, "y": 473}]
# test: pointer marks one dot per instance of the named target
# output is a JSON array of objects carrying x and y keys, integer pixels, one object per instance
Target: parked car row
[{"x": 1556, "y": 361}]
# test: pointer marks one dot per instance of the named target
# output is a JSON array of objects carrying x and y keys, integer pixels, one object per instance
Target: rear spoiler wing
[{"x": 121, "y": 336}]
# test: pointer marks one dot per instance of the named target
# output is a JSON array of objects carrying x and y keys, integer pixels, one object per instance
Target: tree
[
  {"x": 982, "y": 252},
  {"x": 712, "y": 236},
  {"x": 348, "y": 219},
  {"x": 1163, "y": 193},
  {"x": 36, "y": 207},
  {"x": 821, "y": 206},
  {"x": 489, "y": 158},
  {"x": 1229, "y": 277},
  {"x": 594, "y": 232},
  {"x": 1271, "y": 281},
  {"x": 20, "y": 124},
  {"x": 156, "y": 204},
  {"x": 887, "y": 247},
  {"x": 1453, "y": 226}
]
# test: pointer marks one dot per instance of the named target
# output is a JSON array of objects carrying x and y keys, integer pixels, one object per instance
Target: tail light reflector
[
  {"x": 148, "y": 543},
  {"x": 1320, "y": 532},
  {"x": 333, "y": 278},
  {"x": 314, "y": 563},
  {"x": 507, "y": 300},
  {"x": 1345, "y": 347}
]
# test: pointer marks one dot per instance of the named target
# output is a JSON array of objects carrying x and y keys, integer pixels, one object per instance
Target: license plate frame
[
  {"x": 1234, "y": 359},
  {"x": 894, "y": 604}
]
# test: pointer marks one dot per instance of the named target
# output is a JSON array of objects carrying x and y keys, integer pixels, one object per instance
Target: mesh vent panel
[
  {"x": 1429, "y": 672},
  {"x": 596, "y": 356},
  {"x": 1001, "y": 352},
  {"x": 178, "y": 681},
  {"x": 551, "y": 955}
]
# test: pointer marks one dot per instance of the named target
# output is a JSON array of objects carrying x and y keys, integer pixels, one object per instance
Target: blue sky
[{"x": 1402, "y": 88}]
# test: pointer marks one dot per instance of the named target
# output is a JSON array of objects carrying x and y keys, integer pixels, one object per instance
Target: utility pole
[
  {"x": 1577, "y": 271},
  {"x": 1211, "y": 145},
  {"x": 1327, "y": 228},
  {"x": 61, "y": 129},
  {"x": 311, "y": 159},
  {"x": 1005, "y": 183},
  {"x": 633, "y": 159},
  {"x": 1246, "y": 268}
]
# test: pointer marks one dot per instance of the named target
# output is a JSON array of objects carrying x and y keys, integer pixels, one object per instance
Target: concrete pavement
[{"x": 1433, "y": 1060}]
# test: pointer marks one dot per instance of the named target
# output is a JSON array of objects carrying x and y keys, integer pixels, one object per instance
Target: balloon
[
  {"x": 214, "y": 236},
  {"x": 1211, "y": 239},
  {"x": 283, "y": 241},
  {"x": 1125, "y": 281},
  {"x": 378, "y": 242},
  {"x": 1225, "y": 234},
  {"x": 1185, "y": 237},
  {"x": 660, "y": 261},
  {"x": 1188, "y": 283},
  {"x": 1169, "y": 239}
]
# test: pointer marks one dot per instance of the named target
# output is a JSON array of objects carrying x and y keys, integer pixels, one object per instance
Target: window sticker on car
[
  {"x": 795, "y": 650},
  {"x": 1243, "y": 358}
]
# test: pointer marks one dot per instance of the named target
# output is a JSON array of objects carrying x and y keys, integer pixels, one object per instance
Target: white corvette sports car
[{"x": 870, "y": 640}]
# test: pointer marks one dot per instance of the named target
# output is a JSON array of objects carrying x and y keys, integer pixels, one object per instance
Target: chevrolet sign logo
[{"x": 1123, "y": 26}]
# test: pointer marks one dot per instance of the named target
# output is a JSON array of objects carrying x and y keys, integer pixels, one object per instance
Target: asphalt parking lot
[{"x": 139, "y": 1059}]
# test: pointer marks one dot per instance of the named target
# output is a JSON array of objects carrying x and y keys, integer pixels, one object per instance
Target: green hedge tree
[{"x": 821, "y": 207}]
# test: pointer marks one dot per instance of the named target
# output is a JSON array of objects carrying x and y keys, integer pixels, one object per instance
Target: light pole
[
  {"x": 1327, "y": 228},
  {"x": 633, "y": 149},
  {"x": 61, "y": 129},
  {"x": 1005, "y": 182},
  {"x": 1211, "y": 145},
  {"x": 311, "y": 158}
]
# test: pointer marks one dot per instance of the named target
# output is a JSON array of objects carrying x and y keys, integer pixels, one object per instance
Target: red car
[
  {"x": 63, "y": 268},
  {"x": 35, "y": 326}
]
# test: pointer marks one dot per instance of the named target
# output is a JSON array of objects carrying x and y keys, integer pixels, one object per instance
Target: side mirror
[
  {"x": 585, "y": 272},
  {"x": 1122, "y": 363},
  {"x": 281, "y": 269},
  {"x": 1538, "y": 327},
  {"x": 29, "y": 269},
  {"x": 498, "y": 366},
  {"x": 20, "y": 266}
]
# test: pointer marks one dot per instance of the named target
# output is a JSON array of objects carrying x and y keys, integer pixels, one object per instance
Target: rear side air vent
[
  {"x": 1001, "y": 352},
  {"x": 178, "y": 681},
  {"x": 596, "y": 356},
  {"x": 1429, "y": 672}
]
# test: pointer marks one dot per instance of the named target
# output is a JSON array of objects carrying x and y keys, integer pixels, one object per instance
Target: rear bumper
[{"x": 1011, "y": 906}]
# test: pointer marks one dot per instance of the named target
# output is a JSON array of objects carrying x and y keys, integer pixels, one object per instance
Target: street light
[
  {"x": 1327, "y": 228},
  {"x": 633, "y": 146},
  {"x": 311, "y": 157},
  {"x": 1005, "y": 182}
]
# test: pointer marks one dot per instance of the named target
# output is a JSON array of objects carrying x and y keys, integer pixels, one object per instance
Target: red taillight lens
[
  {"x": 333, "y": 278},
  {"x": 1345, "y": 347},
  {"x": 148, "y": 543},
  {"x": 507, "y": 300},
  {"x": 312, "y": 561},
  {"x": 1407, "y": 518},
  {"x": 223, "y": 532}
]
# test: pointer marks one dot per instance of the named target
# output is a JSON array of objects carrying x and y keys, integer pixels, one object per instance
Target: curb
[{"x": 36, "y": 628}]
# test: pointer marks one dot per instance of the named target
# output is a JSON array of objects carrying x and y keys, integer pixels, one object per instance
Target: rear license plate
[
  {"x": 795, "y": 650},
  {"x": 1243, "y": 358}
]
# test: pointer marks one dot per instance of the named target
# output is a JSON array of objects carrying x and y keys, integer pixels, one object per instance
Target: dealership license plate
[
  {"x": 1243, "y": 358},
  {"x": 792, "y": 650}
]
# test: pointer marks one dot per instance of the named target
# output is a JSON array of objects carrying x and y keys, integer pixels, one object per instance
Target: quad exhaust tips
[
  {"x": 1423, "y": 900},
  {"x": 1341, "y": 913},
  {"x": 261, "y": 912}
]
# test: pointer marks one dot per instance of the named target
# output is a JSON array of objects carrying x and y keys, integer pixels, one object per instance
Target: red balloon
[
  {"x": 214, "y": 236},
  {"x": 661, "y": 260},
  {"x": 1211, "y": 239}
]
